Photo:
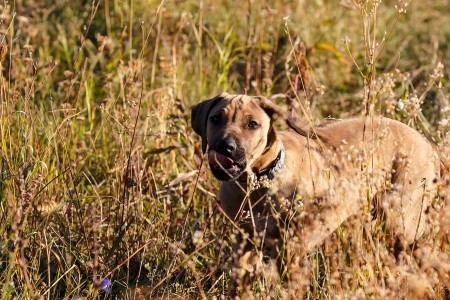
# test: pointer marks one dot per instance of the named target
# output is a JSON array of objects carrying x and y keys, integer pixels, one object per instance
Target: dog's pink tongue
[{"x": 215, "y": 158}]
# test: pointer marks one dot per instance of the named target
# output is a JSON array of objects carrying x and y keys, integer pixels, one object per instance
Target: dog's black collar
[
  {"x": 277, "y": 165},
  {"x": 263, "y": 178}
]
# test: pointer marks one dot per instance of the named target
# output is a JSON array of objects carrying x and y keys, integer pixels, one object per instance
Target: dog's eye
[
  {"x": 252, "y": 124},
  {"x": 215, "y": 119}
]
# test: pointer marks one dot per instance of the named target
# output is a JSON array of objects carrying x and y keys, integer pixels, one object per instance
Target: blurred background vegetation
[{"x": 99, "y": 165}]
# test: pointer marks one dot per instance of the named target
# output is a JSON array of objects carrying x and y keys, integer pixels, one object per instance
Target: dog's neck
[
  {"x": 267, "y": 165},
  {"x": 270, "y": 171},
  {"x": 268, "y": 158}
]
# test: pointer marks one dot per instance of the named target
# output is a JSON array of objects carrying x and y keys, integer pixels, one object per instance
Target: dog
[{"x": 269, "y": 176}]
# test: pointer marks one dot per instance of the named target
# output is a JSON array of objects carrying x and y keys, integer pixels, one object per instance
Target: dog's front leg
[
  {"x": 323, "y": 216},
  {"x": 252, "y": 264},
  {"x": 242, "y": 270},
  {"x": 242, "y": 276},
  {"x": 254, "y": 269}
]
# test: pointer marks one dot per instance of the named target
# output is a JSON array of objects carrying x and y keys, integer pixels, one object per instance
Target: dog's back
[{"x": 402, "y": 163}]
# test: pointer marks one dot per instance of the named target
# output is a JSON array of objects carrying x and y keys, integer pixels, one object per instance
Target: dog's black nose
[{"x": 227, "y": 145}]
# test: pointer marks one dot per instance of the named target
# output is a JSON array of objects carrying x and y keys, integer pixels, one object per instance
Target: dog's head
[{"x": 238, "y": 130}]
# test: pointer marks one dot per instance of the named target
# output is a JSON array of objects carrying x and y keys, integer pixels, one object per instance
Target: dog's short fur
[{"x": 317, "y": 174}]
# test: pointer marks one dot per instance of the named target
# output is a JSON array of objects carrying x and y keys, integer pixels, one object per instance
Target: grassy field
[{"x": 102, "y": 186}]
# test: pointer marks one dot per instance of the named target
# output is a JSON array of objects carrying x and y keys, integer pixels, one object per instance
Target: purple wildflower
[{"x": 105, "y": 285}]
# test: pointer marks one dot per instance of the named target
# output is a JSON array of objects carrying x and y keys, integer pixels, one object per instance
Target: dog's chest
[{"x": 257, "y": 203}]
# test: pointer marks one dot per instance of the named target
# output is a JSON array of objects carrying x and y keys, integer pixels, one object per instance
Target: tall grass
[{"x": 102, "y": 177}]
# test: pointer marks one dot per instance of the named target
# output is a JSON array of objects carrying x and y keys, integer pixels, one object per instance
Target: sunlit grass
[{"x": 101, "y": 174}]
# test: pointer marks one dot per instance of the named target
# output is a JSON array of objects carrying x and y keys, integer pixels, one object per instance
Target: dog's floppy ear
[
  {"x": 199, "y": 119},
  {"x": 274, "y": 111}
]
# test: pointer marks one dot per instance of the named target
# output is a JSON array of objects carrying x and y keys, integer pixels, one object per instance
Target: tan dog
[{"x": 321, "y": 177}]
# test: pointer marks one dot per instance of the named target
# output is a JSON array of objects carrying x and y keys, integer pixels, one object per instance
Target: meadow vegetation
[{"x": 103, "y": 190}]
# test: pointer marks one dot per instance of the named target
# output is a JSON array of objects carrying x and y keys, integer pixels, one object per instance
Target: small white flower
[
  {"x": 443, "y": 122},
  {"x": 347, "y": 40},
  {"x": 400, "y": 104},
  {"x": 197, "y": 237},
  {"x": 414, "y": 99}
]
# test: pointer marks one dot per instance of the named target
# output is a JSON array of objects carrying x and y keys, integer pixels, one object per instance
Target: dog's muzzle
[{"x": 226, "y": 160}]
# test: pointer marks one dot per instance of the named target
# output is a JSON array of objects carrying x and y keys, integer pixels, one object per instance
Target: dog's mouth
[
  {"x": 215, "y": 158},
  {"x": 223, "y": 167}
]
